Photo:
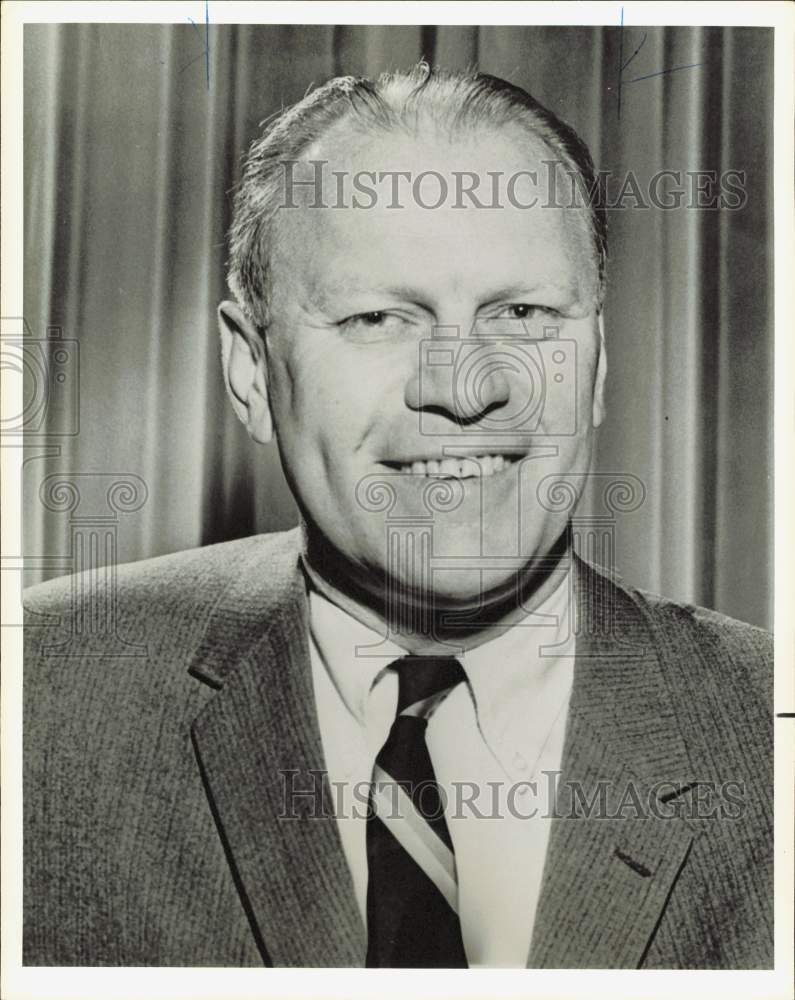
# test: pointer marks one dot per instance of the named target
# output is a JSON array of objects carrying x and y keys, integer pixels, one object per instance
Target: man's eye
[
  {"x": 374, "y": 325},
  {"x": 375, "y": 318},
  {"x": 519, "y": 311}
]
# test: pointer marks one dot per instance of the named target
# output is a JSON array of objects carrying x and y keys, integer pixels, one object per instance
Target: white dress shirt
[{"x": 488, "y": 739}]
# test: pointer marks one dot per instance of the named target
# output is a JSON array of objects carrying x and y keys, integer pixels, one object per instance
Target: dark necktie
[{"x": 412, "y": 889}]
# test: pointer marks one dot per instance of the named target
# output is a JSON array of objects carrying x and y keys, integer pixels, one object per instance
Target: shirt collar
[
  {"x": 354, "y": 655},
  {"x": 522, "y": 661},
  {"x": 525, "y": 667}
]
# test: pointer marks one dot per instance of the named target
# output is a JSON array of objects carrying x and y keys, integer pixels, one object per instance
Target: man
[{"x": 418, "y": 731}]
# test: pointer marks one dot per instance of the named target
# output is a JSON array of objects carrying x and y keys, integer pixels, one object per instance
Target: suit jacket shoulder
[
  {"x": 187, "y": 585},
  {"x": 738, "y": 655}
]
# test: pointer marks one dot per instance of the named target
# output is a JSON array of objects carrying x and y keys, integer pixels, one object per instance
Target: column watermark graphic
[
  {"x": 93, "y": 503},
  {"x": 81, "y": 513}
]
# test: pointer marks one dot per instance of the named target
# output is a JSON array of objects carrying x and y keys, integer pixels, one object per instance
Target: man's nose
[{"x": 462, "y": 382}]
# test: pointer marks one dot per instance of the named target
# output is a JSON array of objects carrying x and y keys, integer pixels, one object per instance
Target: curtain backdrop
[{"x": 133, "y": 138}]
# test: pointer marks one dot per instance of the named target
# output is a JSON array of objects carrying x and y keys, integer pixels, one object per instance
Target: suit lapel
[
  {"x": 615, "y": 848},
  {"x": 258, "y": 748}
]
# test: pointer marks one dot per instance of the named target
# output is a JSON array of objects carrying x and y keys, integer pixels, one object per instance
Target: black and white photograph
[{"x": 392, "y": 585}]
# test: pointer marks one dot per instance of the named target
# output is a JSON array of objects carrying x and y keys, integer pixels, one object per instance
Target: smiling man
[
  {"x": 360, "y": 300},
  {"x": 419, "y": 730}
]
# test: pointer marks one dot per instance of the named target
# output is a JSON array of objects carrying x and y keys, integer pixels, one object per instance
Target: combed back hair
[{"x": 453, "y": 102}]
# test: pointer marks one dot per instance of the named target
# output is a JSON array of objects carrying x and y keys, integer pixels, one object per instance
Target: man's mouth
[{"x": 475, "y": 467}]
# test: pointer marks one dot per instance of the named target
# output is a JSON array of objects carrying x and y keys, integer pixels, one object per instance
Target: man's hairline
[{"x": 350, "y": 121}]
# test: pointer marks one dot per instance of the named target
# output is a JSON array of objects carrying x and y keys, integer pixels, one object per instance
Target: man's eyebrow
[{"x": 529, "y": 289}]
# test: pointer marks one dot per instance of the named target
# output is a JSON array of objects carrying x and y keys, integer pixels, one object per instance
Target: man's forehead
[
  {"x": 399, "y": 203},
  {"x": 429, "y": 146}
]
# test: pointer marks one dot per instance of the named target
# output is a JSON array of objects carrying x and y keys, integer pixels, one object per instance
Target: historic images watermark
[
  {"x": 50, "y": 371},
  {"x": 312, "y": 795},
  {"x": 314, "y": 184},
  {"x": 541, "y": 364},
  {"x": 85, "y": 509}
]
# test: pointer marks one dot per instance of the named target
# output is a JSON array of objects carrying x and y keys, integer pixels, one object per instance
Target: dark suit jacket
[{"x": 154, "y": 791}]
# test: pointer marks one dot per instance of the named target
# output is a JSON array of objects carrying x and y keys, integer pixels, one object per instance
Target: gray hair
[{"x": 452, "y": 100}]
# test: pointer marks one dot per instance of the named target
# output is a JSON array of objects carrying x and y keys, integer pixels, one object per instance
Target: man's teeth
[{"x": 459, "y": 468}]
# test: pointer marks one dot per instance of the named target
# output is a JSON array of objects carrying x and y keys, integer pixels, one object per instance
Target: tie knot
[{"x": 423, "y": 681}]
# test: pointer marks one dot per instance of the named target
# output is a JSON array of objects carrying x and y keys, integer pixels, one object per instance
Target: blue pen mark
[
  {"x": 662, "y": 72},
  {"x": 622, "y": 66},
  {"x": 637, "y": 50},
  {"x": 206, "y": 52}
]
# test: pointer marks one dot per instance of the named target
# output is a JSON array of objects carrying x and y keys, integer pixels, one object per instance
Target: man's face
[{"x": 360, "y": 396}]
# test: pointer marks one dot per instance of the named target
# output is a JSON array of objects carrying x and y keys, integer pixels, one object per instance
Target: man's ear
[
  {"x": 245, "y": 366},
  {"x": 598, "y": 413}
]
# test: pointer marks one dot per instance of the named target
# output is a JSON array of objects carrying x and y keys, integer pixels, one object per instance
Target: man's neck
[{"x": 364, "y": 597}]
